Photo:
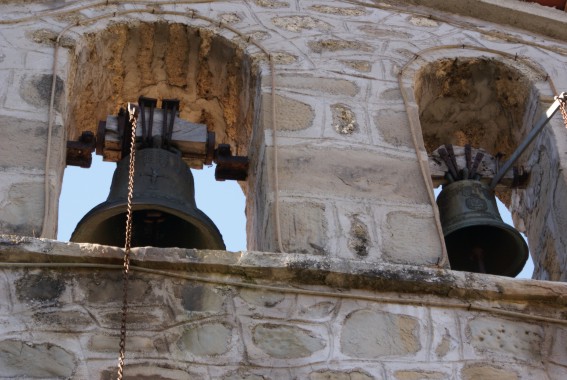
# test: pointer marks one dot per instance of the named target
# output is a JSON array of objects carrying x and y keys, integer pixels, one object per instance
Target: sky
[{"x": 223, "y": 202}]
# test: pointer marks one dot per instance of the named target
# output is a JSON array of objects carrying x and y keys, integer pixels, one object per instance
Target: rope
[
  {"x": 276, "y": 176},
  {"x": 46, "y": 192},
  {"x": 127, "y": 243},
  {"x": 424, "y": 175}
]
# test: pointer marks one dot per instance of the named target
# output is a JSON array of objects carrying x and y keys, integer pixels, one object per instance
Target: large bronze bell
[
  {"x": 164, "y": 209},
  {"x": 477, "y": 239}
]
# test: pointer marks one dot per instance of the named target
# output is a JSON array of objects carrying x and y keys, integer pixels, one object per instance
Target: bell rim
[
  {"x": 524, "y": 251},
  {"x": 110, "y": 209}
]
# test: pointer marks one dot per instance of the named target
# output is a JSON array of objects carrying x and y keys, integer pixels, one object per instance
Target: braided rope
[{"x": 128, "y": 241}]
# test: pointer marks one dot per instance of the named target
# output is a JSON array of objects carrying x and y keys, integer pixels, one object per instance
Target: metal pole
[{"x": 529, "y": 138}]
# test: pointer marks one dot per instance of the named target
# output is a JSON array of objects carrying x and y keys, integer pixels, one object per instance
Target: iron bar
[{"x": 529, "y": 138}]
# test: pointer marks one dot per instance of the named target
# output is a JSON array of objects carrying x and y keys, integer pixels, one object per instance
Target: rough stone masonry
[{"x": 363, "y": 92}]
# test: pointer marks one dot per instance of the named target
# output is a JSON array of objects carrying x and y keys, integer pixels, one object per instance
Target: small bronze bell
[
  {"x": 477, "y": 239},
  {"x": 164, "y": 209}
]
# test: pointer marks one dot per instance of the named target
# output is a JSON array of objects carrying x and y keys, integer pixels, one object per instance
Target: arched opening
[
  {"x": 477, "y": 101},
  {"x": 215, "y": 81},
  {"x": 223, "y": 202}
]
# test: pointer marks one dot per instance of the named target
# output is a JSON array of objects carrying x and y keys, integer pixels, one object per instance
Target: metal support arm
[{"x": 529, "y": 138}]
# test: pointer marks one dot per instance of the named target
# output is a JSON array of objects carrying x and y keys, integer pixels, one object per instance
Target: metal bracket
[
  {"x": 529, "y": 138},
  {"x": 79, "y": 153},
  {"x": 229, "y": 166},
  {"x": 170, "y": 107},
  {"x": 193, "y": 141}
]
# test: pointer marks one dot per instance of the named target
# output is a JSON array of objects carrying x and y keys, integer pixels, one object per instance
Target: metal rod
[{"x": 529, "y": 138}]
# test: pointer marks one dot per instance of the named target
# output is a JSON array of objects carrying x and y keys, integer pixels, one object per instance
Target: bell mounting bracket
[
  {"x": 444, "y": 162},
  {"x": 158, "y": 130}
]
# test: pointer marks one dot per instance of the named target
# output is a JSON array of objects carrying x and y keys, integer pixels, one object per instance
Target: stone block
[
  {"x": 446, "y": 339},
  {"x": 272, "y": 3},
  {"x": 316, "y": 310},
  {"x": 21, "y": 202},
  {"x": 371, "y": 335},
  {"x": 303, "y": 228},
  {"x": 401, "y": 232},
  {"x": 353, "y": 231},
  {"x": 19, "y": 359},
  {"x": 140, "y": 317},
  {"x": 199, "y": 298},
  {"x": 261, "y": 298},
  {"x": 242, "y": 375},
  {"x": 209, "y": 339},
  {"x": 388, "y": 93},
  {"x": 48, "y": 37},
  {"x": 24, "y": 142},
  {"x": 358, "y": 65},
  {"x": 6, "y": 79},
  {"x": 555, "y": 371},
  {"x": 336, "y": 45},
  {"x": 38, "y": 61},
  {"x": 283, "y": 58},
  {"x": 518, "y": 340},
  {"x": 36, "y": 90},
  {"x": 359, "y": 237},
  {"x": 110, "y": 344},
  {"x": 558, "y": 353},
  {"x": 11, "y": 57},
  {"x": 152, "y": 372},
  {"x": 340, "y": 11},
  {"x": 318, "y": 86},
  {"x": 344, "y": 119},
  {"x": 6, "y": 306},
  {"x": 420, "y": 375},
  {"x": 106, "y": 289},
  {"x": 65, "y": 320},
  {"x": 283, "y": 341},
  {"x": 39, "y": 288},
  {"x": 394, "y": 127},
  {"x": 340, "y": 375},
  {"x": 389, "y": 32},
  {"x": 349, "y": 174},
  {"x": 300, "y": 23},
  {"x": 486, "y": 371},
  {"x": 347, "y": 122},
  {"x": 291, "y": 114},
  {"x": 256, "y": 303}
]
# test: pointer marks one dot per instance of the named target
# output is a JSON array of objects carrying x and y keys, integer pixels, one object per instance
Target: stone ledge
[{"x": 298, "y": 269}]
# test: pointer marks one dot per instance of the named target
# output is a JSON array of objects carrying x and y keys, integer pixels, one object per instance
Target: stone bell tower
[{"x": 341, "y": 112}]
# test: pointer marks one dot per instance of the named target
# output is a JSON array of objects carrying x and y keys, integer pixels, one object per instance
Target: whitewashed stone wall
[
  {"x": 350, "y": 185},
  {"x": 220, "y": 315},
  {"x": 358, "y": 295}
]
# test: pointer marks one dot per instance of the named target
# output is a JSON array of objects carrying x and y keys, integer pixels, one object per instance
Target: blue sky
[{"x": 223, "y": 202}]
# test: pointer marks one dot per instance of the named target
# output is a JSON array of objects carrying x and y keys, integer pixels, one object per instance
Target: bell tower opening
[
  {"x": 215, "y": 81},
  {"x": 487, "y": 105}
]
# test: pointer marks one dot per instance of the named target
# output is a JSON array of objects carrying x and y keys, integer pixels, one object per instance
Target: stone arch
[
  {"x": 477, "y": 101},
  {"x": 491, "y": 101},
  {"x": 215, "y": 79}
]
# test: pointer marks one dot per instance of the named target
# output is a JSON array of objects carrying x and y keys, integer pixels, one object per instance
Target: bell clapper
[{"x": 477, "y": 255}]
